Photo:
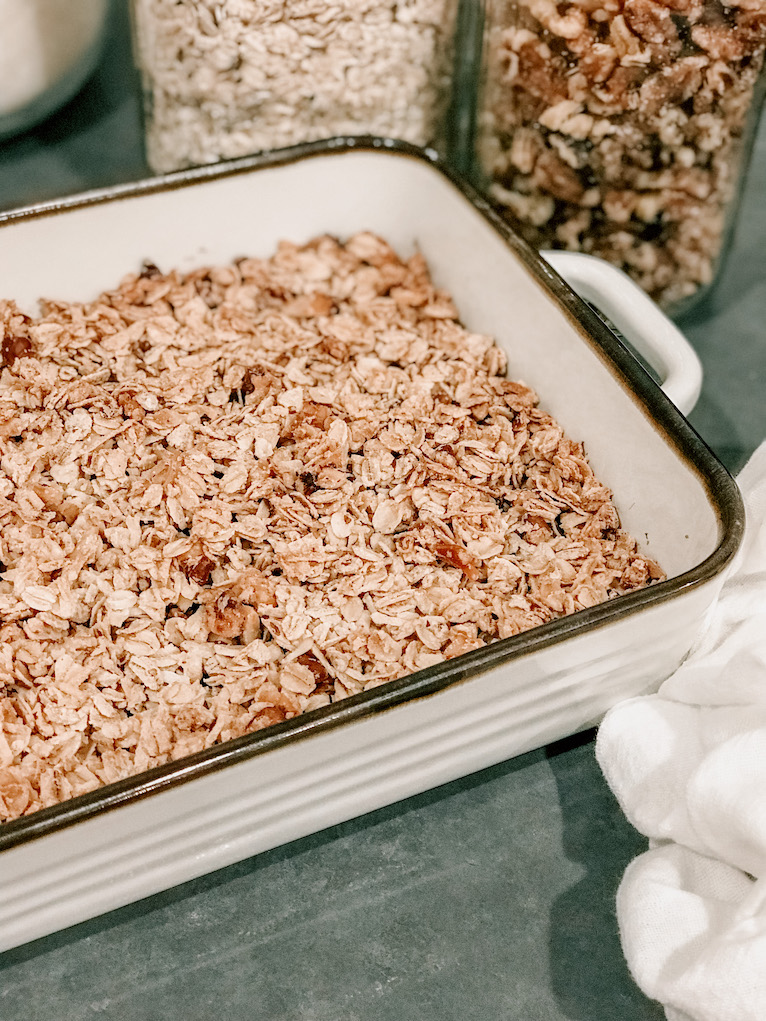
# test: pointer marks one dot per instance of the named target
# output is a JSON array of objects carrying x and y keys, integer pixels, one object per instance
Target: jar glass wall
[{"x": 622, "y": 129}]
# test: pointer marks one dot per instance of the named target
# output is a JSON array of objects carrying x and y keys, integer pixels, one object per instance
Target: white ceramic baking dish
[{"x": 67, "y": 863}]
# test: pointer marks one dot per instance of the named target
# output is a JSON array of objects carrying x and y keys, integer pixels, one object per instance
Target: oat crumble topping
[{"x": 232, "y": 496}]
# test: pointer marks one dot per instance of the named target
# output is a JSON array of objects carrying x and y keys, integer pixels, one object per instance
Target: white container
[
  {"x": 134, "y": 838},
  {"x": 48, "y": 49}
]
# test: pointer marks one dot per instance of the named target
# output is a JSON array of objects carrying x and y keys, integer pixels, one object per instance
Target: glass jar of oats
[
  {"x": 622, "y": 129},
  {"x": 226, "y": 78}
]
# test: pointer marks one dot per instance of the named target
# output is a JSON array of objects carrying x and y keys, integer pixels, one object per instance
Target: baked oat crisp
[
  {"x": 226, "y": 78},
  {"x": 620, "y": 129},
  {"x": 233, "y": 496}
]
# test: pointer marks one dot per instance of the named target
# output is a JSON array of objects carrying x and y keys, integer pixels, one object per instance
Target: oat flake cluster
[
  {"x": 619, "y": 128},
  {"x": 225, "y": 78},
  {"x": 230, "y": 497}
]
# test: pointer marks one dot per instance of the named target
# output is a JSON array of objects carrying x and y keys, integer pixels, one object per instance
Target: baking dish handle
[{"x": 643, "y": 324}]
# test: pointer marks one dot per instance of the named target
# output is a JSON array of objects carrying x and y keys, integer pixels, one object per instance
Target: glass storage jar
[
  {"x": 622, "y": 129},
  {"x": 226, "y": 78},
  {"x": 48, "y": 48}
]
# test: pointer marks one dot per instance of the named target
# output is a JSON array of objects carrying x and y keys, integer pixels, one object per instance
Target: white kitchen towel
[{"x": 688, "y": 767}]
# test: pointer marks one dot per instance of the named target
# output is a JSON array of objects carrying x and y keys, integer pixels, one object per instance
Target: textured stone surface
[{"x": 489, "y": 898}]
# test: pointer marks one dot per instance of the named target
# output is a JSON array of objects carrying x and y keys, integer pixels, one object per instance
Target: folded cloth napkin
[{"x": 688, "y": 767}]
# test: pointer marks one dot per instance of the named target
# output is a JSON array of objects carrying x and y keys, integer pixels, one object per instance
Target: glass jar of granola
[
  {"x": 226, "y": 78},
  {"x": 623, "y": 129}
]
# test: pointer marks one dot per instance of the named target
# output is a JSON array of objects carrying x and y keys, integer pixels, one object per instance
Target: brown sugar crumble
[{"x": 231, "y": 496}]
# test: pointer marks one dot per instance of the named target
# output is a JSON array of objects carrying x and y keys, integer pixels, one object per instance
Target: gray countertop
[{"x": 489, "y": 898}]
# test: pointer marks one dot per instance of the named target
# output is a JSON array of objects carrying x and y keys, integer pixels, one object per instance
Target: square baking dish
[{"x": 75, "y": 860}]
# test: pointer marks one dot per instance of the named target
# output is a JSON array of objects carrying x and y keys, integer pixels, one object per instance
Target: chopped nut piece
[
  {"x": 13, "y": 348},
  {"x": 201, "y": 570}
]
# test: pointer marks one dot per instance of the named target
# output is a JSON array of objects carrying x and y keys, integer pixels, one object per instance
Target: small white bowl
[{"x": 48, "y": 50}]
